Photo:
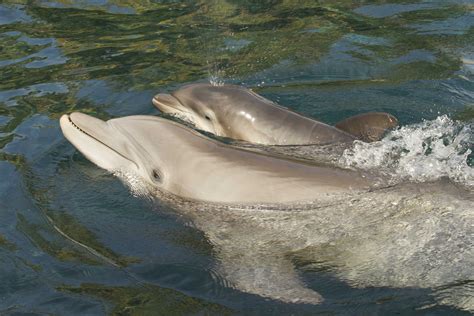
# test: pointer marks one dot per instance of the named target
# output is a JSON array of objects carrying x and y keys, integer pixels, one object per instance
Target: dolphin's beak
[
  {"x": 96, "y": 139},
  {"x": 167, "y": 103}
]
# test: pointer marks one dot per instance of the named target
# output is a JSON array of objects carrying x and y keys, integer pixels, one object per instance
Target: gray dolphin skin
[
  {"x": 368, "y": 127},
  {"x": 239, "y": 113},
  {"x": 179, "y": 160}
]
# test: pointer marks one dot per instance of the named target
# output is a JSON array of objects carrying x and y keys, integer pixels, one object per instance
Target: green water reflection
[
  {"x": 327, "y": 59},
  {"x": 149, "y": 300}
]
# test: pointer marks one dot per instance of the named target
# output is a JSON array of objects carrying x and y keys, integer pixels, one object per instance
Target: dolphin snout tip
[
  {"x": 156, "y": 99},
  {"x": 63, "y": 120},
  {"x": 166, "y": 102},
  {"x": 162, "y": 97},
  {"x": 81, "y": 121}
]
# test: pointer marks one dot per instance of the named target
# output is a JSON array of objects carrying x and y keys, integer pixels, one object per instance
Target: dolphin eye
[
  {"x": 207, "y": 118},
  {"x": 156, "y": 175}
]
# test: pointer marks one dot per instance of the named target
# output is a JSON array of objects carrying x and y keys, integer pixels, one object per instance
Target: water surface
[{"x": 76, "y": 240}]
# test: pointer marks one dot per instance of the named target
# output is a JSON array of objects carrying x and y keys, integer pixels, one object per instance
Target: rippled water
[{"x": 76, "y": 240}]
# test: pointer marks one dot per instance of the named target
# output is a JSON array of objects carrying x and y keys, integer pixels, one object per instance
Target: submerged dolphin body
[
  {"x": 392, "y": 238},
  {"x": 178, "y": 160},
  {"x": 239, "y": 113}
]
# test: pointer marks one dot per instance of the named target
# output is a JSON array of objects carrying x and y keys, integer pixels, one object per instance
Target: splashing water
[
  {"x": 216, "y": 75},
  {"x": 423, "y": 152},
  {"x": 216, "y": 80}
]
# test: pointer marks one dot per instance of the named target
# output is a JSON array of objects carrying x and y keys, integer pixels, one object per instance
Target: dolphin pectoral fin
[
  {"x": 267, "y": 275},
  {"x": 368, "y": 127}
]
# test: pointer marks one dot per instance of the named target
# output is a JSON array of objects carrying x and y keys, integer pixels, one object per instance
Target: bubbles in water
[
  {"x": 423, "y": 152},
  {"x": 215, "y": 80}
]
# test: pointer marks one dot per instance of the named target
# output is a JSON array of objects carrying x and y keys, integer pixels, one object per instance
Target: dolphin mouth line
[
  {"x": 181, "y": 114},
  {"x": 156, "y": 101},
  {"x": 97, "y": 140},
  {"x": 161, "y": 103},
  {"x": 83, "y": 131}
]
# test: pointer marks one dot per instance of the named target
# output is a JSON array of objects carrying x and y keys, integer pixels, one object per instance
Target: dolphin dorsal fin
[{"x": 368, "y": 127}]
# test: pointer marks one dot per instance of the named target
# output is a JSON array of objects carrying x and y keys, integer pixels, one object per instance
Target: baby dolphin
[
  {"x": 239, "y": 113},
  {"x": 181, "y": 161}
]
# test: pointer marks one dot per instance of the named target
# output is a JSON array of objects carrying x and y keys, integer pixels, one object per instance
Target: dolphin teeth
[{"x": 77, "y": 127}]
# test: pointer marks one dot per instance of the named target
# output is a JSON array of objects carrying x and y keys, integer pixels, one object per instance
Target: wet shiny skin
[
  {"x": 238, "y": 113},
  {"x": 147, "y": 145}
]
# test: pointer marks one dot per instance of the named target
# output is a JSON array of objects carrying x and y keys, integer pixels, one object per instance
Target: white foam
[{"x": 422, "y": 152}]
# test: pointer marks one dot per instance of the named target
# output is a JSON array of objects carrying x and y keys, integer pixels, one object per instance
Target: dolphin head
[
  {"x": 113, "y": 145},
  {"x": 222, "y": 110}
]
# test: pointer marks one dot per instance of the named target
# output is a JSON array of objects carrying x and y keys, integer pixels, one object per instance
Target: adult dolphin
[
  {"x": 239, "y": 113},
  {"x": 178, "y": 160}
]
